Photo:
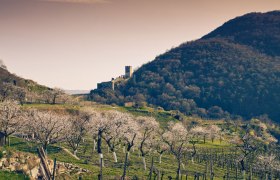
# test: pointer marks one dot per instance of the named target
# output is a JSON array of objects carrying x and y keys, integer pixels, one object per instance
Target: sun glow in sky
[{"x": 73, "y": 44}]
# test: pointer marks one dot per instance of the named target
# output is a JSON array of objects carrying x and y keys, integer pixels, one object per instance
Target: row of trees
[
  {"x": 11, "y": 91},
  {"x": 115, "y": 129}
]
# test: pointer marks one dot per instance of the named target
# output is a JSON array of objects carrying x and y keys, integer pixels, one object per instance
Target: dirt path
[{"x": 71, "y": 154}]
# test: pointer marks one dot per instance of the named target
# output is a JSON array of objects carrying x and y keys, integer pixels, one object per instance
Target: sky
[{"x": 74, "y": 44}]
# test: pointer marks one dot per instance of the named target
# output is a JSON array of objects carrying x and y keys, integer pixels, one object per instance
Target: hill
[
  {"x": 258, "y": 30},
  {"x": 7, "y": 77},
  {"x": 233, "y": 71},
  {"x": 20, "y": 89}
]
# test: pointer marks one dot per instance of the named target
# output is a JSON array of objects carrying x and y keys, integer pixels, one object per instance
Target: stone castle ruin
[
  {"x": 111, "y": 84},
  {"x": 128, "y": 71}
]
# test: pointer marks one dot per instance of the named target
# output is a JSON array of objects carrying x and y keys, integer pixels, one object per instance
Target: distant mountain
[
  {"x": 233, "y": 71},
  {"x": 76, "y": 92}
]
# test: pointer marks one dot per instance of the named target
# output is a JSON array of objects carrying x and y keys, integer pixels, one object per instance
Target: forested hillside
[
  {"x": 233, "y": 71},
  {"x": 260, "y": 31}
]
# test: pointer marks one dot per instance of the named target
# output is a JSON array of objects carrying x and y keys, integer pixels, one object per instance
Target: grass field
[
  {"x": 4, "y": 175},
  {"x": 90, "y": 160}
]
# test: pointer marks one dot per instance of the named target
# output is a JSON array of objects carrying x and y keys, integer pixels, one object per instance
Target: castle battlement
[
  {"x": 111, "y": 84},
  {"x": 128, "y": 71}
]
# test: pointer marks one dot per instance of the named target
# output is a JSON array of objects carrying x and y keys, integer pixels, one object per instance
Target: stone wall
[
  {"x": 28, "y": 164},
  {"x": 25, "y": 163}
]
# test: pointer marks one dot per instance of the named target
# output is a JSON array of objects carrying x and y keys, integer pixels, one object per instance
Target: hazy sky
[{"x": 73, "y": 44}]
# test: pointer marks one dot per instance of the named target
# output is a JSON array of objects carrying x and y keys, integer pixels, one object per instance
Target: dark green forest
[{"x": 233, "y": 72}]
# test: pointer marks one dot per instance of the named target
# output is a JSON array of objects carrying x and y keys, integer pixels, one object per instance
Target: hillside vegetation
[
  {"x": 7, "y": 77},
  {"x": 29, "y": 92},
  {"x": 233, "y": 71}
]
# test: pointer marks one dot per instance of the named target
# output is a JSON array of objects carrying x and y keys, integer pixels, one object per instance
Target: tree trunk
[
  {"x": 251, "y": 173},
  {"x": 243, "y": 168},
  {"x": 151, "y": 169},
  {"x": 5, "y": 140},
  {"x": 115, "y": 157},
  {"x": 100, "y": 176},
  {"x": 99, "y": 150},
  {"x": 243, "y": 174},
  {"x": 211, "y": 169},
  {"x": 75, "y": 152},
  {"x": 193, "y": 153},
  {"x": 45, "y": 146},
  {"x": 94, "y": 144},
  {"x": 160, "y": 158},
  {"x": 236, "y": 170},
  {"x": 144, "y": 163},
  {"x": 99, "y": 143},
  {"x": 178, "y": 177},
  {"x": 54, "y": 100},
  {"x": 183, "y": 165},
  {"x": 125, "y": 166},
  {"x": 206, "y": 170}
]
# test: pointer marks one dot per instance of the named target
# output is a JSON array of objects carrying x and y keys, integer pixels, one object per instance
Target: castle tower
[{"x": 128, "y": 71}]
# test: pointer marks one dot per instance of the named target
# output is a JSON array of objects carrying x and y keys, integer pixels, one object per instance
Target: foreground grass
[{"x": 4, "y": 175}]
